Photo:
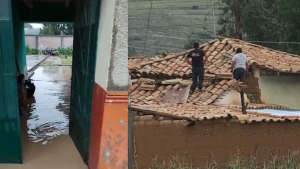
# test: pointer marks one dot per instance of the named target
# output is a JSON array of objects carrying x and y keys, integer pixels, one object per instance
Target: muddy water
[
  {"x": 45, "y": 140},
  {"x": 49, "y": 109}
]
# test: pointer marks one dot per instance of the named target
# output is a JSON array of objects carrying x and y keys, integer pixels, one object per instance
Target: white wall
[
  {"x": 105, "y": 33},
  {"x": 281, "y": 90},
  {"x": 231, "y": 97},
  {"x": 118, "y": 70}
]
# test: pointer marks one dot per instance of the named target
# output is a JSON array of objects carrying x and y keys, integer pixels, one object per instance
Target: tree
[
  {"x": 289, "y": 11},
  {"x": 262, "y": 20},
  {"x": 58, "y": 29}
]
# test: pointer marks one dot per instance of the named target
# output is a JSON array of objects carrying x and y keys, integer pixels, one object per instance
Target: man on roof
[
  {"x": 239, "y": 65},
  {"x": 196, "y": 59}
]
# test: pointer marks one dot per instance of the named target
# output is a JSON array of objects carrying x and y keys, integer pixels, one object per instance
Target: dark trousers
[
  {"x": 198, "y": 73},
  {"x": 239, "y": 74}
]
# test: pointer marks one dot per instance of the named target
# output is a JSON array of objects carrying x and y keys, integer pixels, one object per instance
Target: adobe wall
[{"x": 219, "y": 138}]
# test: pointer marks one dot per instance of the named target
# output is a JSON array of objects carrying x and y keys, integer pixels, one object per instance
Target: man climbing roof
[
  {"x": 197, "y": 63},
  {"x": 239, "y": 65}
]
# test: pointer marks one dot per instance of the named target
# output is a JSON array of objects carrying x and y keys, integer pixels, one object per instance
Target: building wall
[
  {"x": 283, "y": 90},
  {"x": 208, "y": 140},
  {"x": 231, "y": 97},
  {"x": 118, "y": 72},
  {"x": 109, "y": 125},
  {"x": 36, "y": 41}
]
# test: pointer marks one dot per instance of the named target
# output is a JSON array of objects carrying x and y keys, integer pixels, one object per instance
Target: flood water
[
  {"x": 49, "y": 109},
  {"x": 45, "y": 140}
]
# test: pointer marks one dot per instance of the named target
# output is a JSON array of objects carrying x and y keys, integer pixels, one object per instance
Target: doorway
[{"x": 85, "y": 15}]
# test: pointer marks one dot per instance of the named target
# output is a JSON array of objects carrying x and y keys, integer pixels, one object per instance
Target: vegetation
[
  {"x": 57, "y": 29},
  {"x": 65, "y": 51},
  {"x": 171, "y": 24},
  {"x": 262, "y": 20},
  {"x": 30, "y": 51},
  {"x": 176, "y": 24},
  {"x": 238, "y": 161}
]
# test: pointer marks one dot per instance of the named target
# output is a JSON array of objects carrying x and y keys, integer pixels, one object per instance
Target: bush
[
  {"x": 30, "y": 51},
  {"x": 65, "y": 51}
]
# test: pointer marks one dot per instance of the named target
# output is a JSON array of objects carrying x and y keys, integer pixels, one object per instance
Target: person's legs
[
  {"x": 236, "y": 74},
  {"x": 242, "y": 75},
  {"x": 195, "y": 80},
  {"x": 239, "y": 74},
  {"x": 201, "y": 78}
]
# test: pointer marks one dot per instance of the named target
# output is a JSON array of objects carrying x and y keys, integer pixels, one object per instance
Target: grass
[
  {"x": 165, "y": 32},
  {"x": 237, "y": 161},
  {"x": 66, "y": 60}
]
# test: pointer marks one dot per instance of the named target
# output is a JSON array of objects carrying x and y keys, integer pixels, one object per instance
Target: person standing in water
[{"x": 21, "y": 90}]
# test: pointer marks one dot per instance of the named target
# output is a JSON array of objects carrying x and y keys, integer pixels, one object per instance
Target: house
[
  {"x": 160, "y": 97},
  {"x": 274, "y": 76}
]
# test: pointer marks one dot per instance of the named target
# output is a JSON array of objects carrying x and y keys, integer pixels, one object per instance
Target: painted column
[
  {"x": 109, "y": 125},
  {"x": 19, "y": 40}
]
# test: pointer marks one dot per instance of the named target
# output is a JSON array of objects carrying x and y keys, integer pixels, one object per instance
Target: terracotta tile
[
  {"x": 212, "y": 48},
  {"x": 170, "y": 72},
  {"x": 176, "y": 66},
  {"x": 208, "y": 53},
  {"x": 222, "y": 82},
  {"x": 214, "y": 97},
  {"x": 147, "y": 93},
  {"x": 231, "y": 82},
  {"x": 217, "y": 43},
  {"x": 214, "y": 90},
  {"x": 179, "y": 68},
  {"x": 220, "y": 91},
  {"x": 206, "y": 48},
  {"x": 188, "y": 71},
  {"x": 214, "y": 53},
  {"x": 185, "y": 69},
  {"x": 209, "y": 101},
  {"x": 169, "y": 87},
  {"x": 218, "y": 86}
]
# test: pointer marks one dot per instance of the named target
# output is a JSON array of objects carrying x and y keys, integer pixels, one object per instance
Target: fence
[{"x": 43, "y": 41}]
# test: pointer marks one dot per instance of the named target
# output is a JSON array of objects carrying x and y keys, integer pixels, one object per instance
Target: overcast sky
[{"x": 36, "y": 25}]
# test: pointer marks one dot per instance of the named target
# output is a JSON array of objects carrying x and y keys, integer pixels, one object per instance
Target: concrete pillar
[
  {"x": 36, "y": 41},
  {"x": 109, "y": 125}
]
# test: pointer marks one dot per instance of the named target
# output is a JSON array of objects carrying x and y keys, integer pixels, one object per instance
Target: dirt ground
[{"x": 212, "y": 140}]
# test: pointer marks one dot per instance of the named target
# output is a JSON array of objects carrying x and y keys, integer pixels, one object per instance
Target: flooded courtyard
[
  {"x": 45, "y": 140},
  {"x": 49, "y": 109}
]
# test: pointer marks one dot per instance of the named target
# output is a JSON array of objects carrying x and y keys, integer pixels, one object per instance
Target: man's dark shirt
[{"x": 197, "y": 57}]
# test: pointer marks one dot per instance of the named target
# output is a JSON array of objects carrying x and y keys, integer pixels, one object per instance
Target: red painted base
[{"x": 109, "y": 130}]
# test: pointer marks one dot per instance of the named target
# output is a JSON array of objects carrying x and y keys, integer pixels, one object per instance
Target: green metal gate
[
  {"x": 83, "y": 71},
  {"x": 10, "y": 137}
]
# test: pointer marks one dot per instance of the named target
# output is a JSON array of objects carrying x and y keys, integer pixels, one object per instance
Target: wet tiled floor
[
  {"x": 33, "y": 60},
  {"x": 45, "y": 140}
]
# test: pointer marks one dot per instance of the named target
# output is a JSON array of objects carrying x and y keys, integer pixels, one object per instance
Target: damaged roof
[
  {"x": 160, "y": 85},
  {"x": 219, "y": 52}
]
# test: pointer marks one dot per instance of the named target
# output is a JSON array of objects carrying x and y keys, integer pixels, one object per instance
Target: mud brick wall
[
  {"x": 214, "y": 138},
  {"x": 253, "y": 91}
]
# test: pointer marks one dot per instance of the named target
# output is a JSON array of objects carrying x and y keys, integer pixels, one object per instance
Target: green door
[
  {"x": 83, "y": 71},
  {"x": 10, "y": 137}
]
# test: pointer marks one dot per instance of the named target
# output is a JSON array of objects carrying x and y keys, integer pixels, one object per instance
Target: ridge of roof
[{"x": 219, "y": 52}]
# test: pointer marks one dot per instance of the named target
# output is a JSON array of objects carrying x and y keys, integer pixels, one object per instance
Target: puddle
[
  {"x": 49, "y": 115},
  {"x": 279, "y": 112}
]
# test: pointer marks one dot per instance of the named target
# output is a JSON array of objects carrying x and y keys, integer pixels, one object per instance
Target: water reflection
[{"x": 49, "y": 116}]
